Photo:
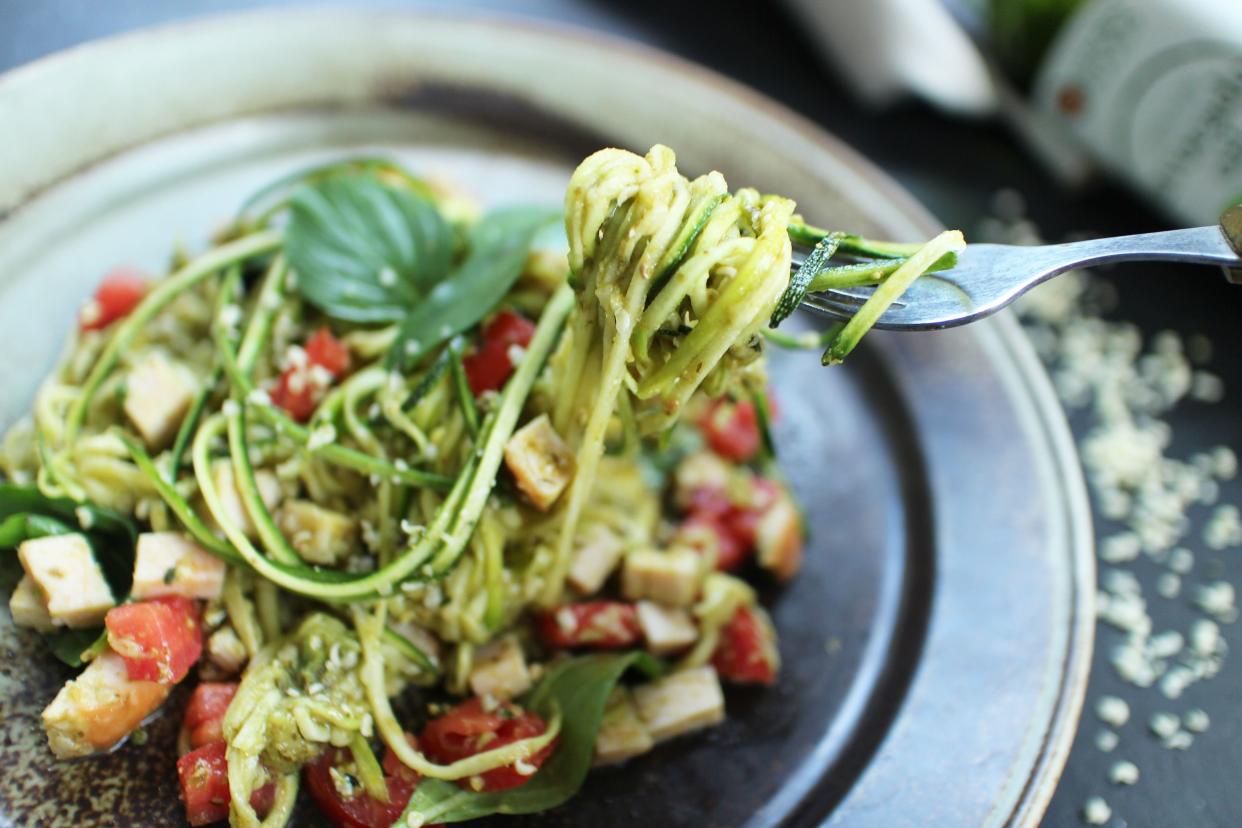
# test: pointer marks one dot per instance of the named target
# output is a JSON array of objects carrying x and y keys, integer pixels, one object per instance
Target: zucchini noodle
[{"x": 405, "y": 512}]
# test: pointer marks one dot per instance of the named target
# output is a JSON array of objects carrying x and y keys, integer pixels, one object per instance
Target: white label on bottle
[{"x": 1154, "y": 90}]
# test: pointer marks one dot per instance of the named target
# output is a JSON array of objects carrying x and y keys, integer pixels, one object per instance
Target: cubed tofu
[
  {"x": 622, "y": 734},
  {"x": 226, "y": 651},
  {"x": 778, "y": 538},
  {"x": 29, "y": 608},
  {"x": 158, "y": 393},
  {"x": 169, "y": 563},
  {"x": 595, "y": 560},
  {"x": 230, "y": 498},
  {"x": 540, "y": 461},
  {"x": 702, "y": 470},
  {"x": 64, "y": 569},
  {"x": 500, "y": 670},
  {"x": 666, "y": 629},
  {"x": 670, "y": 578},
  {"x": 321, "y": 536},
  {"x": 680, "y": 702},
  {"x": 99, "y": 708}
]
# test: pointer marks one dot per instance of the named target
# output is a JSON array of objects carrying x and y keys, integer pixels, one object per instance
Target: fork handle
[{"x": 1198, "y": 245}]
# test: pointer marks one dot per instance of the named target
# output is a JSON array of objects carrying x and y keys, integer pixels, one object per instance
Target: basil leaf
[
  {"x": 274, "y": 196},
  {"x": 498, "y": 246},
  {"x": 365, "y": 251},
  {"x": 27, "y": 513},
  {"x": 579, "y": 688},
  {"x": 70, "y": 645}
]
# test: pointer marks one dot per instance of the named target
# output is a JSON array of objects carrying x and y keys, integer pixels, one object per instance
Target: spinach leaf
[
  {"x": 363, "y": 250},
  {"x": 498, "y": 246},
  {"x": 27, "y": 513},
  {"x": 579, "y": 687},
  {"x": 70, "y": 645}
]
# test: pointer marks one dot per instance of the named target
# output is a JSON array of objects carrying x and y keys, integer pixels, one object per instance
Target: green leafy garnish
[
  {"x": 579, "y": 688},
  {"x": 497, "y": 249},
  {"x": 364, "y": 250},
  {"x": 26, "y": 513}
]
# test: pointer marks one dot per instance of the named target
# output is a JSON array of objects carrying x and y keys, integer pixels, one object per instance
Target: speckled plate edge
[{"x": 57, "y": 130}]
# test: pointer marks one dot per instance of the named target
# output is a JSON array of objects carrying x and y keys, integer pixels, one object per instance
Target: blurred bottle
[{"x": 1151, "y": 88}]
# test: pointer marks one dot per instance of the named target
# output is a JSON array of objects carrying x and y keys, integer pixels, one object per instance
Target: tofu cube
[
  {"x": 702, "y": 470},
  {"x": 169, "y": 563},
  {"x": 230, "y": 498},
  {"x": 666, "y": 629},
  {"x": 622, "y": 734},
  {"x": 670, "y": 578},
  {"x": 64, "y": 569},
  {"x": 99, "y": 708},
  {"x": 158, "y": 394},
  {"x": 595, "y": 560},
  {"x": 680, "y": 703},
  {"x": 500, "y": 670},
  {"x": 321, "y": 536},
  {"x": 226, "y": 651},
  {"x": 778, "y": 538},
  {"x": 29, "y": 608},
  {"x": 540, "y": 461}
]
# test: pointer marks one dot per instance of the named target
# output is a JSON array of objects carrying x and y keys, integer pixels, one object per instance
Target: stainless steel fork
[{"x": 987, "y": 277}]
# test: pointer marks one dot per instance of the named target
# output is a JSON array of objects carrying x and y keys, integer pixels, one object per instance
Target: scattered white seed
[
  {"x": 1168, "y": 585},
  {"x": 1112, "y": 710},
  {"x": 1106, "y": 740},
  {"x": 1123, "y": 773},
  {"x": 1197, "y": 720},
  {"x": 1095, "y": 811},
  {"x": 1181, "y": 740},
  {"x": 1164, "y": 725},
  {"x": 1181, "y": 561}
]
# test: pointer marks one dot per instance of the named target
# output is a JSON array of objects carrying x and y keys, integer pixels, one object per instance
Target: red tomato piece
[
  {"x": 117, "y": 295},
  {"x": 488, "y": 368},
  {"x": 706, "y": 532},
  {"x": 746, "y": 653},
  {"x": 731, "y": 430},
  {"x": 204, "y": 715},
  {"x": 361, "y": 810},
  {"x": 599, "y": 625},
  {"x": 469, "y": 728},
  {"x": 327, "y": 351},
  {"x": 160, "y": 639},
  {"x": 305, "y": 381},
  {"x": 204, "y": 777}
]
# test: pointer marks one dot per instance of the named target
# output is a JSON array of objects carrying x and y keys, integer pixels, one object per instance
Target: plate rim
[{"x": 1032, "y": 795}]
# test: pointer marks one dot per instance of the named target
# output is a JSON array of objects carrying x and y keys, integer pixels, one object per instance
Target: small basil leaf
[
  {"x": 27, "y": 513},
  {"x": 579, "y": 688},
  {"x": 274, "y": 196},
  {"x": 498, "y": 246},
  {"x": 365, "y": 251},
  {"x": 70, "y": 645}
]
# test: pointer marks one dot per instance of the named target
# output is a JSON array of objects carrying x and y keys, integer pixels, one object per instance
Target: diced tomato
[
  {"x": 488, "y": 368},
  {"x": 469, "y": 728},
  {"x": 746, "y": 653},
  {"x": 599, "y": 625},
  {"x": 304, "y": 382},
  {"x": 705, "y": 532},
  {"x": 360, "y": 810},
  {"x": 326, "y": 350},
  {"x": 117, "y": 295},
  {"x": 731, "y": 429},
  {"x": 204, "y": 715},
  {"x": 204, "y": 777},
  {"x": 160, "y": 639},
  {"x": 716, "y": 522}
]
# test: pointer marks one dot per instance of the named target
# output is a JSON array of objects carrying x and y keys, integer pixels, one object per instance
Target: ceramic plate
[{"x": 935, "y": 648}]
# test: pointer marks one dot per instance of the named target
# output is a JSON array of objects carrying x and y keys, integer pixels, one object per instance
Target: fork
[{"x": 987, "y": 277}]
